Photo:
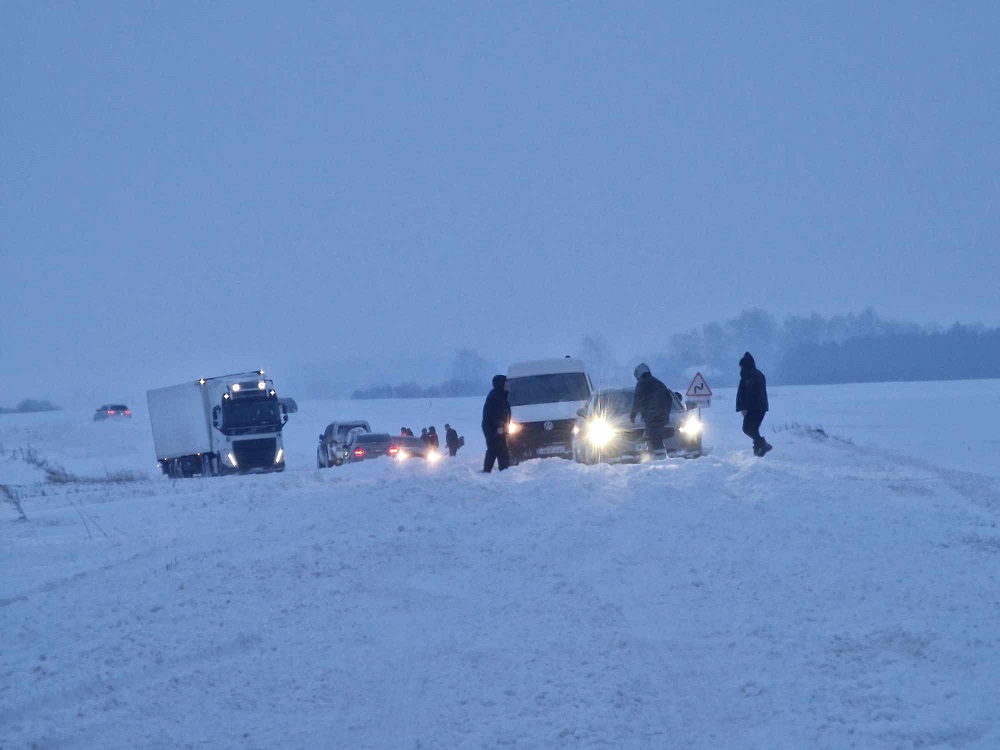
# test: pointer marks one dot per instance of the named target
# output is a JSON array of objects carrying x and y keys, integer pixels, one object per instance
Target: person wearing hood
[
  {"x": 432, "y": 438},
  {"x": 653, "y": 401},
  {"x": 451, "y": 440},
  {"x": 496, "y": 421},
  {"x": 751, "y": 402}
]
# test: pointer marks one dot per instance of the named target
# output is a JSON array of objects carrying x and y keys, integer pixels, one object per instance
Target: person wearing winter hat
[
  {"x": 751, "y": 402},
  {"x": 496, "y": 421},
  {"x": 653, "y": 400}
]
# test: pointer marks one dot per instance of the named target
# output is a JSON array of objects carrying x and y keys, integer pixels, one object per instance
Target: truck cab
[
  {"x": 545, "y": 396},
  {"x": 223, "y": 425}
]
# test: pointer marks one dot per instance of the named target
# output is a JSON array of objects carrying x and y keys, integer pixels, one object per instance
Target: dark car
[
  {"x": 364, "y": 446},
  {"x": 112, "y": 411},
  {"x": 604, "y": 432},
  {"x": 414, "y": 447}
]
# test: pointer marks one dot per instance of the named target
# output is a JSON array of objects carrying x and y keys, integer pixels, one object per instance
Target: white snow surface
[{"x": 841, "y": 592}]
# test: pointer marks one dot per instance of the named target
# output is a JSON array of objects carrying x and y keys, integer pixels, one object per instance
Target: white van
[{"x": 544, "y": 398}]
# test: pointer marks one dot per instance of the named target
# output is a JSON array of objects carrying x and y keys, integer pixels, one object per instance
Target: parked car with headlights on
[
  {"x": 414, "y": 447},
  {"x": 604, "y": 433}
]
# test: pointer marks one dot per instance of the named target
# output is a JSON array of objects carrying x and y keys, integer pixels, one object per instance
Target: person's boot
[{"x": 766, "y": 447}]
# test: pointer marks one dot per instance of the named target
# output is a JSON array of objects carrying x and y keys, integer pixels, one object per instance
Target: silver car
[
  {"x": 604, "y": 433},
  {"x": 332, "y": 448}
]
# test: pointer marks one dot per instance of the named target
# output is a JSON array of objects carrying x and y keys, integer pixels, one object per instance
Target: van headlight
[
  {"x": 600, "y": 432},
  {"x": 691, "y": 426}
]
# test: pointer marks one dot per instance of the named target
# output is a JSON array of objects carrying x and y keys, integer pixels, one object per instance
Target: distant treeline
[
  {"x": 800, "y": 350},
  {"x": 470, "y": 376},
  {"x": 29, "y": 405},
  {"x": 813, "y": 350},
  {"x": 448, "y": 389}
]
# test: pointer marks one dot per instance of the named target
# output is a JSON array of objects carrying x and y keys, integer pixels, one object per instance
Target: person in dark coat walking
[
  {"x": 451, "y": 440},
  {"x": 653, "y": 400},
  {"x": 432, "y": 438},
  {"x": 496, "y": 421},
  {"x": 751, "y": 402}
]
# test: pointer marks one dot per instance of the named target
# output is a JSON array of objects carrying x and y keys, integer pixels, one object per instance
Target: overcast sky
[{"x": 198, "y": 188}]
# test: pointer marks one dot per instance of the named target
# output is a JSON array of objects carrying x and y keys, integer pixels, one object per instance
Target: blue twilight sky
[{"x": 197, "y": 187}]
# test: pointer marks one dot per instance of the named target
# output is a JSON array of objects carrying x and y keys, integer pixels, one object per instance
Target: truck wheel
[{"x": 320, "y": 463}]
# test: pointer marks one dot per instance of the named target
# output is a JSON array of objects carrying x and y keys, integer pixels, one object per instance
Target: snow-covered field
[{"x": 841, "y": 592}]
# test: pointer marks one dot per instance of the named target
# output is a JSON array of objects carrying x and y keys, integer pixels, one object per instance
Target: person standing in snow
[
  {"x": 423, "y": 435},
  {"x": 751, "y": 402},
  {"x": 496, "y": 421},
  {"x": 451, "y": 440},
  {"x": 432, "y": 438},
  {"x": 653, "y": 400}
]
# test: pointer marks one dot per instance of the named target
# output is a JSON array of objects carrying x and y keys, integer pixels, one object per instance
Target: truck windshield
[
  {"x": 548, "y": 389},
  {"x": 251, "y": 416}
]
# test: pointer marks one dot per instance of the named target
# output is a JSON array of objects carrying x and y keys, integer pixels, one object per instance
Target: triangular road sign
[{"x": 699, "y": 388}]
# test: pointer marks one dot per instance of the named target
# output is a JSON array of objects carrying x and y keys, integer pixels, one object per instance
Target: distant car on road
[
  {"x": 364, "y": 446},
  {"x": 332, "y": 449},
  {"x": 604, "y": 433},
  {"x": 112, "y": 411}
]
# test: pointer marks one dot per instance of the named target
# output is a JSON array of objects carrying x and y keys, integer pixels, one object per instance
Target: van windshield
[{"x": 548, "y": 389}]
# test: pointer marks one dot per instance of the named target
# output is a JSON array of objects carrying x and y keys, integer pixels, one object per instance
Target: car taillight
[
  {"x": 111, "y": 411},
  {"x": 129, "y": 412},
  {"x": 359, "y": 452},
  {"x": 393, "y": 450}
]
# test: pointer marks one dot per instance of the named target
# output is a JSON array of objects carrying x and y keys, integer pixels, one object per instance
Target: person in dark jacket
[
  {"x": 432, "y": 438},
  {"x": 751, "y": 402},
  {"x": 496, "y": 420},
  {"x": 424, "y": 436},
  {"x": 653, "y": 401},
  {"x": 451, "y": 440}
]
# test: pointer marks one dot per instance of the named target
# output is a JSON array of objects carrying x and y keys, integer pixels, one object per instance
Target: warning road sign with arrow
[{"x": 699, "y": 391}]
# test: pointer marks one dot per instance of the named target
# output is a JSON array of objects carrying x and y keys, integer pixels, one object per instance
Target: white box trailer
[{"x": 222, "y": 425}]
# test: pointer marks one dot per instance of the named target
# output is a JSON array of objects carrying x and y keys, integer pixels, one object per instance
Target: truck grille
[{"x": 255, "y": 454}]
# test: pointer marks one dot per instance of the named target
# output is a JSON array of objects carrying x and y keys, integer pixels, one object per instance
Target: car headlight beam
[
  {"x": 691, "y": 426},
  {"x": 600, "y": 432}
]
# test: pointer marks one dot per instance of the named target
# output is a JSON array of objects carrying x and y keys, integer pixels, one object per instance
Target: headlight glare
[
  {"x": 691, "y": 426},
  {"x": 600, "y": 432}
]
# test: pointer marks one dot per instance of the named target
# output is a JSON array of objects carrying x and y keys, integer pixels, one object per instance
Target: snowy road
[{"x": 841, "y": 592}]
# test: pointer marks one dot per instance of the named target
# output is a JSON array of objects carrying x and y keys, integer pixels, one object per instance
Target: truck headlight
[
  {"x": 281, "y": 455},
  {"x": 513, "y": 428},
  {"x": 600, "y": 433},
  {"x": 433, "y": 456},
  {"x": 232, "y": 459}
]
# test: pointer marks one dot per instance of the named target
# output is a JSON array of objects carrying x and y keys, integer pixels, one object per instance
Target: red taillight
[
  {"x": 111, "y": 411},
  {"x": 127, "y": 411},
  {"x": 393, "y": 450},
  {"x": 359, "y": 452}
]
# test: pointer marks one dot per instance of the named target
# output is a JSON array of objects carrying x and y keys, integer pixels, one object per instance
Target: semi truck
[{"x": 229, "y": 424}]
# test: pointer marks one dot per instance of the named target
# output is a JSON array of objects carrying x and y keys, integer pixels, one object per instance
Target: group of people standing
[
  {"x": 430, "y": 437},
  {"x": 652, "y": 400}
]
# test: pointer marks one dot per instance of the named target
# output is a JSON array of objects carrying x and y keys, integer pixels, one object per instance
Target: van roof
[{"x": 545, "y": 367}]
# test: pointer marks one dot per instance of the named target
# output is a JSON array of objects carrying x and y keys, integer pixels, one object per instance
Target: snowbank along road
[{"x": 841, "y": 592}]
